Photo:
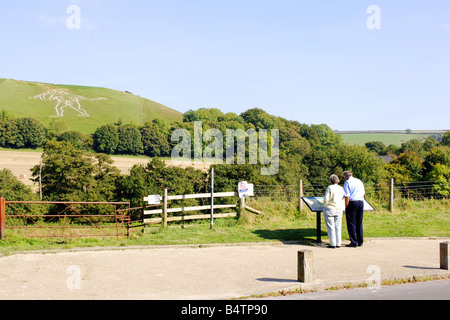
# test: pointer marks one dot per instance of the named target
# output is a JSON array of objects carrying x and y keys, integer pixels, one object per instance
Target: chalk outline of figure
[{"x": 63, "y": 96}]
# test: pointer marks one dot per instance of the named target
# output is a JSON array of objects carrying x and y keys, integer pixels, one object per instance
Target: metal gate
[{"x": 66, "y": 220}]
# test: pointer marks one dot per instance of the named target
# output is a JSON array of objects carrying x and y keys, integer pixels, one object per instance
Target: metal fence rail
[{"x": 386, "y": 191}]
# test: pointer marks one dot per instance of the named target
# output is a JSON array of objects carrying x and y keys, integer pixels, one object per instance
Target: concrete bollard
[
  {"x": 444, "y": 255},
  {"x": 305, "y": 266}
]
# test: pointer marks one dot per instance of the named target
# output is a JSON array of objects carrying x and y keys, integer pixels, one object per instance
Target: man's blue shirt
[{"x": 354, "y": 189}]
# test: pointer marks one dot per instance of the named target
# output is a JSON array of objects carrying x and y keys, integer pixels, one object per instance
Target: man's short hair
[
  {"x": 334, "y": 179},
  {"x": 348, "y": 174}
]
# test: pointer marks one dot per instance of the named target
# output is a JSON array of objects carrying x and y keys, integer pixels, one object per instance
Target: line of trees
[{"x": 77, "y": 167}]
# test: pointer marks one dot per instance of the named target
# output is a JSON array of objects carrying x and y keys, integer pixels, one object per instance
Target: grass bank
[{"x": 282, "y": 222}]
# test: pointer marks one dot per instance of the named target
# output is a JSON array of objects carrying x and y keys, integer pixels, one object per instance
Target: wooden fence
[{"x": 149, "y": 215}]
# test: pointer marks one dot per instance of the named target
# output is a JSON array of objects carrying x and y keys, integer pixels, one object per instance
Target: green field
[
  {"x": 387, "y": 138},
  {"x": 17, "y": 97}
]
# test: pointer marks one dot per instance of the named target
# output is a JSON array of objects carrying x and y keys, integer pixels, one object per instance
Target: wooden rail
[{"x": 165, "y": 210}]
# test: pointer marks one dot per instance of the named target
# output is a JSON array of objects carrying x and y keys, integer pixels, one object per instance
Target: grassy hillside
[{"x": 102, "y": 105}]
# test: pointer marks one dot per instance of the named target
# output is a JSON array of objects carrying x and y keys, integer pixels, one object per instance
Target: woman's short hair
[{"x": 334, "y": 179}]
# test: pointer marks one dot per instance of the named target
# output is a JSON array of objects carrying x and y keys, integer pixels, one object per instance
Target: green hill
[{"x": 78, "y": 107}]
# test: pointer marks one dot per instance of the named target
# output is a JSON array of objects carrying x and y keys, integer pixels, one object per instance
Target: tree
[
  {"x": 406, "y": 167},
  {"x": 437, "y": 155},
  {"x": 326, "y": 135},
  {"x": 155, "y": 139},
  {"x": 364, "y": 164},
  {"x": 14, "y": 190},
  {"x": 106, "y": 139},
  {"x": 8, "y": 134},
  {"x": 156, "y": 176},
  {"x": 69, "y": 174},
  {"x": 319, "y": 167},
  {"x": 446, "y": 139},
  {"x": 430, "y": 143},
  {"x": 440, "y": 173},
  {"x": 377, "y": 146},
  {"x": 66, "y": 172},
  {"x": 74, "y": 137},
  {"x": 309, "y": 134},
  {"x": 202, "y": 114},
  {"x": 30, "y": 133},
  {"x": 293, "y": 143},
  {"x": 130, "y": 140},
  {"x": 261, "y": 119},
  {"x": 412, "y": 145},
  {"x": 22, "y": 133}
]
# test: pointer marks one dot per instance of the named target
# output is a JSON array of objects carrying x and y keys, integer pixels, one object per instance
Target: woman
[{"x": 333, "y": 208}]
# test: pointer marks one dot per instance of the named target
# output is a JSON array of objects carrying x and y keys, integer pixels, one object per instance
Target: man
[{"x": 354, "y": 208}]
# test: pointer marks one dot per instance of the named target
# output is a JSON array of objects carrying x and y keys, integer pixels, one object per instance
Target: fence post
[
  {"x": 391, "y": 196},
  {"x": 165, "y": 208},
  {"x": 443, "y": 248},
  {"x": 212, "y": 198},
  {"x": 300, "y": 195},
  {"x": 305, "y": 266},
  {"x": 2, "y": 218},
  {"x": 241, "y": 208}
]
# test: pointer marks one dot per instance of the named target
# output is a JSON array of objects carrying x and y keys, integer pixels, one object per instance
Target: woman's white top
[{"x": 334, "y": 198}]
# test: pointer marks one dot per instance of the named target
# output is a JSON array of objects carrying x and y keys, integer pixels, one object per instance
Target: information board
[{"x": 315, "y": 204}]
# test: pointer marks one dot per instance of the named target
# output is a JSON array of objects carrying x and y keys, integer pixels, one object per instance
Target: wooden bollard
[
  {"x": 305, "y": 266},
  {"x": 444, "y": 255}
]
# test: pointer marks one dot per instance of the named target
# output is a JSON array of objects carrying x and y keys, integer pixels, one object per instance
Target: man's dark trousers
[{"x": 354, "y": 215}]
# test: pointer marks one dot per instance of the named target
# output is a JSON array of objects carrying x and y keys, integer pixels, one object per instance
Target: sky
[{"x": 351, "y": 64}]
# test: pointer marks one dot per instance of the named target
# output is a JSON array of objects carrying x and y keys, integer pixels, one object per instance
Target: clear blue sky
[{"x": 310, "y": 61}]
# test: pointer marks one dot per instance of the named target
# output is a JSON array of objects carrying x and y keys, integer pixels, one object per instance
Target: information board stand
[{"x": 315, "y": 204}]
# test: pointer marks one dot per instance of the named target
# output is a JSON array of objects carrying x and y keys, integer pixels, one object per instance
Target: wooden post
[
  {"x": 2, "y": 217},
  {"x": 212, "y": 198},
  {"x": 391, "y": 196},
  {"x": 241, "y": 208},
  {"x": 165, "y": 208},
  {"x": 305, "y": 266},
  {"x": 300, "y": 195},
  {"x": 444, "y": 255}
]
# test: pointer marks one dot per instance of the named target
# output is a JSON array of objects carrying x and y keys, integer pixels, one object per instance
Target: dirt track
[{"x": 20, "y": 163}]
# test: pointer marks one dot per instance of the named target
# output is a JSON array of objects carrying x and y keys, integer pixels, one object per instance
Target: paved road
[
  {"x": 208, "y": 272},
  {"x": 430, "y": 290}
]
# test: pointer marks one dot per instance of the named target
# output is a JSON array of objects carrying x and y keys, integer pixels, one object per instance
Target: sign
[
  {"x": 242, "y": 189},
  {"x": 250, "y": 192},
  {"x": 153, "y": 199},
  {"x": 315, "y": 204}
]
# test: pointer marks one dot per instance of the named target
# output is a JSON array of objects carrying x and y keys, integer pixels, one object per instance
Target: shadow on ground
[{"x": 288, "y": 235}]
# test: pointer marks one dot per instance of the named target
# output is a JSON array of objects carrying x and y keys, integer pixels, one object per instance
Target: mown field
[{"x": 387, "y": 138}]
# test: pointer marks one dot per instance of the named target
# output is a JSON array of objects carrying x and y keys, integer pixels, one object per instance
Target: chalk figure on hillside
[{"x": 65, "y": 99}]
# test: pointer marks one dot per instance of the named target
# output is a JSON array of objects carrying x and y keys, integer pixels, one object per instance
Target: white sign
[
  {"x": 250, "y": 192},
  {"x": 242, "y": 189},
  {"x": 153, "y": 199}
]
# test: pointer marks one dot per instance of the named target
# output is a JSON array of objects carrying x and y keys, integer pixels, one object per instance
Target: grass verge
[{"x": 282, "y": 222}]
